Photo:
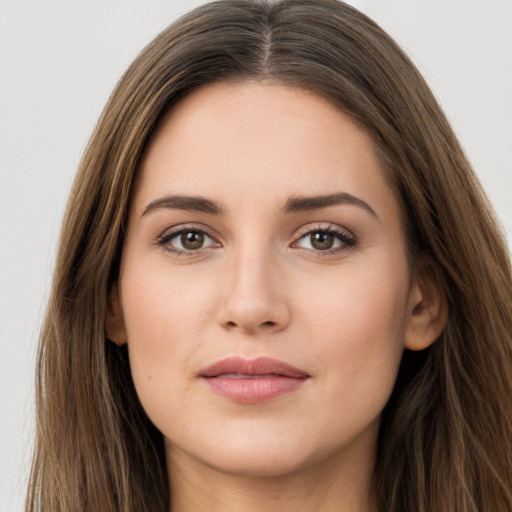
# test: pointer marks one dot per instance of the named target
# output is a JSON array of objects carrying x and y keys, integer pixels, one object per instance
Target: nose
[{"x": 254, "y": 300}]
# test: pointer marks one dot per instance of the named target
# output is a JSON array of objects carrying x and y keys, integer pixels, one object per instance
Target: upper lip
[{"x": 258, "y": 366}]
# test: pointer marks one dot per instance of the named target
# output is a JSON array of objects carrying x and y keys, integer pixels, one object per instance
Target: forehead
[{"x": 259, "y": 141}]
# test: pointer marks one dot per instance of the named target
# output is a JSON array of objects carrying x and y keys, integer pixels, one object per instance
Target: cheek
[
  {"x": 370, "y": 298},
  {"x": 164, "y": 317},
  {"x": 160, "y": 305},
  {"x": 358, "y": 325}
]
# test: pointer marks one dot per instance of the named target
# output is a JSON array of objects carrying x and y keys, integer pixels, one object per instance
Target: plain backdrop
[{"x": 59, "y": 61}]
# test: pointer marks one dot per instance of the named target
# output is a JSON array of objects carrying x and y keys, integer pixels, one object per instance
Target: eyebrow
[
  {"x": 294, "y": 204},
  {"x": 189, "y": 203},
  {"x": 311, "y": 203}
]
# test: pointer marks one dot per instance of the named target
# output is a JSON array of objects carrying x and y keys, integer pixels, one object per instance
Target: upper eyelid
[
  {"x": 176, "y": 230},
  {"x": 329, "y": 227}
]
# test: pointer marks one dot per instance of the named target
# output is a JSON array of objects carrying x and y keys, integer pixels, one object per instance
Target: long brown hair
[{"x": 445, "y": 442}]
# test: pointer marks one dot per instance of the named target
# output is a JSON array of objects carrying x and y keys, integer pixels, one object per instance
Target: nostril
[{"x": 268, "y": 323}]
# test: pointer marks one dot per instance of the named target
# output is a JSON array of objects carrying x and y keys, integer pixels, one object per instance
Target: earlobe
[
  {"x": 115, "y": 328},
  {"x": 428, "y": 308}
]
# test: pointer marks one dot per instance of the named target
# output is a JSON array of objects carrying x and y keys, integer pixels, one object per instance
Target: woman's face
[{"x": 262, "y": 226}]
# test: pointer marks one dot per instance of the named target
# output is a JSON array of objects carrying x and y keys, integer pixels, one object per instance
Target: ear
[
  {"x": 428, "y": 307},
  {"x": 116, "y": 331}
]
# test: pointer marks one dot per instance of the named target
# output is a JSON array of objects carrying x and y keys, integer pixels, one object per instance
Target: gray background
[{"x": 59, "y": 60}]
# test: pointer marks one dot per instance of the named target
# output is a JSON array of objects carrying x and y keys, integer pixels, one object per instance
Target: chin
[
  {"x": 260, "y": 465},
  {"x": 257, "y": 456}
]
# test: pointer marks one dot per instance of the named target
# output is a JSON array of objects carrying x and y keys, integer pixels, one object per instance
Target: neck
[{"x": 339, "y": 484}]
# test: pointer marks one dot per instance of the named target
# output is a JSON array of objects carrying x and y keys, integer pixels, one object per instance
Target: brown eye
[
  {"x": 321, "y": 240},
  {"x": 192, "y": 240},
  {"x": 185, "y": 241},
  {"x": 328, "y": 240}
]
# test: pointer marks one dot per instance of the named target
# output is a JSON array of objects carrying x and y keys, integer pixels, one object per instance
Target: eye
[
  {"x": 327, "y": 240},
  {"x": 186, "y": 240}
]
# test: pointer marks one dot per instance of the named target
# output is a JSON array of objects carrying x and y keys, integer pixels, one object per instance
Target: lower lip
[{"x": 253, "y": 390}]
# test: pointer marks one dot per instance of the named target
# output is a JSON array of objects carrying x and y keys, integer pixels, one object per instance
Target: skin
[{"x": 259, "y": 286}]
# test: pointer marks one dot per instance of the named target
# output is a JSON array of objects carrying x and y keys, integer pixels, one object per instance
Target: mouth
[{"x": 252, "y": 381}]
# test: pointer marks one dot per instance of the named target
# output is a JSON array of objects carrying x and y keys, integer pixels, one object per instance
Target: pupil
[
  {"x": 192, "y": 239},
  {"x": 322, "y": 241}
]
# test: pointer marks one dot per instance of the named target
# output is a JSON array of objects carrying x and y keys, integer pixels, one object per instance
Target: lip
[{"x": 251, "y": 381}]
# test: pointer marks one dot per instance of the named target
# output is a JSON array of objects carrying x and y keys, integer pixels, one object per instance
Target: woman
[{"x": 279, "y": 285}]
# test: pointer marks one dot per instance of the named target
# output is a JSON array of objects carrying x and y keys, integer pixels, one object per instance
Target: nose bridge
[
  {"x": 252, "y": 277},
  {"x": 253, "y": 296}
]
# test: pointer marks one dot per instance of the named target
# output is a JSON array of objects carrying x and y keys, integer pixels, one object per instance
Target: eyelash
[
  {"x": 348, "y": 241},
  {"x": 164, "y": 240}
]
